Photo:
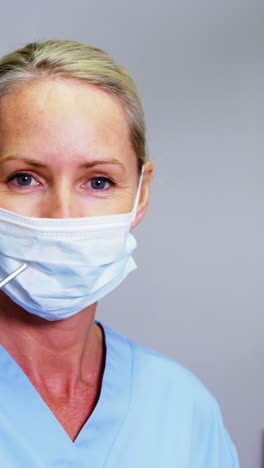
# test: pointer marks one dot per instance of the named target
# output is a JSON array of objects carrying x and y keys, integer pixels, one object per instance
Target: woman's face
[{"x": 65, "y": 151}]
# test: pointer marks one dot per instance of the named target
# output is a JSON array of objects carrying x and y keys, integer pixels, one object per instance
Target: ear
[{"x": 144, "y": 194}]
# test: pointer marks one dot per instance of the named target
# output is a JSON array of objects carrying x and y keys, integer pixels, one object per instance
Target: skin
[{"x": 67, "y": 139}]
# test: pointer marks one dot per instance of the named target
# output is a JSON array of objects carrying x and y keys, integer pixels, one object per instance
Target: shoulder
[
  {"x": 169, "y": 374},
  {"x": 161, "y": 372},
  {"x": 181, "y": 401},
  {"x": 156, "y": 368}
]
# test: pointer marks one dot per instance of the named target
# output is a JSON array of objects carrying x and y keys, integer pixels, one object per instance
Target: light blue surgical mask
[{"x": 54, "y": 268}]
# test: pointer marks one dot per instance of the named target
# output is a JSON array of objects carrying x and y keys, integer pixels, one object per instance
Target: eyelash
[{"x": 102, "y": 178}]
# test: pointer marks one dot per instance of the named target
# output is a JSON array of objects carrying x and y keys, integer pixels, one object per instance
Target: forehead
[{"x": 64, "y": 113}]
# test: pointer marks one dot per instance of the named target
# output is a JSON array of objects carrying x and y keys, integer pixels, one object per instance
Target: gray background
[{"x": 197, "y": 294}]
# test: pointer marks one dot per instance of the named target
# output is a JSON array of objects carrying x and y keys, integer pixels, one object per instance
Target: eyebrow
[{"x": 87, "y": 164}]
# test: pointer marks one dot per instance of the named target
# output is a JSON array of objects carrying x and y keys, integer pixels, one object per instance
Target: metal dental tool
[{"x": 13, "y": 275}]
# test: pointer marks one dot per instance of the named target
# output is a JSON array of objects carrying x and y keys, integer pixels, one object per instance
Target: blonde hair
[{"x": 81, "y": 62}]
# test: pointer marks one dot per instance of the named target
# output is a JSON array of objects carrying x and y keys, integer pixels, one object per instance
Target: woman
[{"x": 74, "y": 182}]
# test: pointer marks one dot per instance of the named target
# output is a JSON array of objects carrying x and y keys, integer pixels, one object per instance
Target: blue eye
[
  {"x": 100, "y": 183},
  {"x": 23, "y": 179}
]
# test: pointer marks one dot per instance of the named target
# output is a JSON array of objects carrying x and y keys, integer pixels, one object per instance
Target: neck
[{"x": 55, "y": 353}]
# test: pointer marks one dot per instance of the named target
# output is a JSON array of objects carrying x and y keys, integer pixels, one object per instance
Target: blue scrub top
[{"x": 152, "y": 413}]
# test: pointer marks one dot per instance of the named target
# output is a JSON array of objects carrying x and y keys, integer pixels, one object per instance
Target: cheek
[
  {"x": 119, "y": 203},
  {"x": 19, "y": 205}
]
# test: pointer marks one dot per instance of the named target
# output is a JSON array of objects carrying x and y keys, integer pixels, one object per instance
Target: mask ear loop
[
  {"x": 13, "y": 275},
  {"x": 134, "y": 211}
]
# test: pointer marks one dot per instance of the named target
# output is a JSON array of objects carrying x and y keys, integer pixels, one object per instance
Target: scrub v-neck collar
[{"x": 32, "y": 418}]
